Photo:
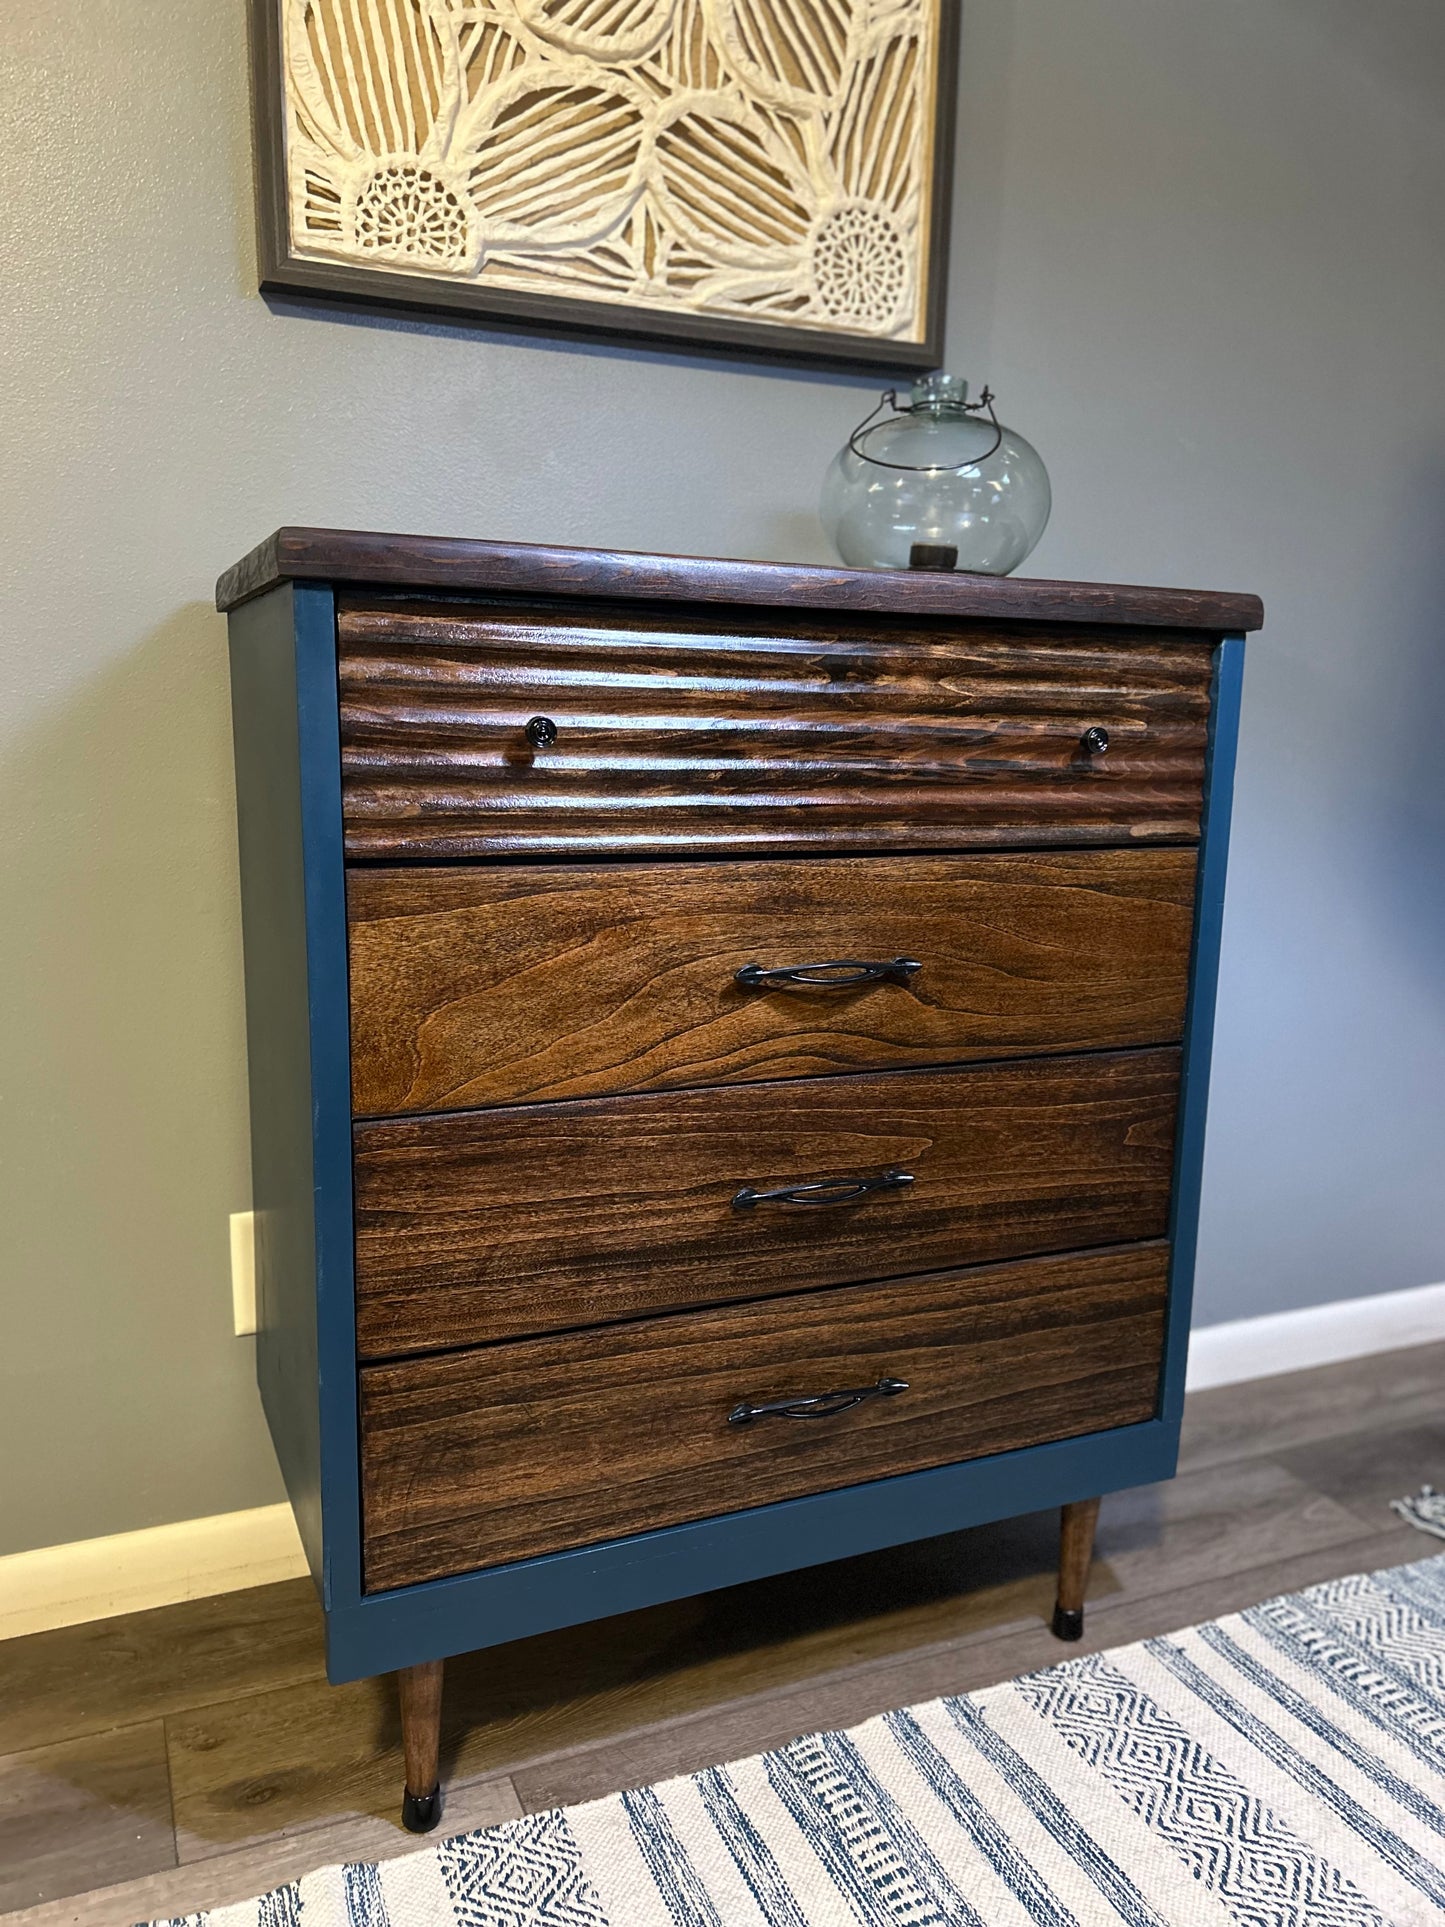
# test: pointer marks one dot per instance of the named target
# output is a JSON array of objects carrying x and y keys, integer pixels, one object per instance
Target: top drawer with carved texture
[{"x": 693, "y": 731}]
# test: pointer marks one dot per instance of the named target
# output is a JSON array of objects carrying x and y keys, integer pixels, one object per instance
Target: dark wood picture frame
[{"x": 285, "y": 272}]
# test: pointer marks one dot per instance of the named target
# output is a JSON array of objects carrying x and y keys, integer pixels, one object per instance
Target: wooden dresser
[{"x": 728, "y": 1051}]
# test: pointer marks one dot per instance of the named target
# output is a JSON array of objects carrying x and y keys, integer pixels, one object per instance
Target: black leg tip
[
  {"x": 1068, "y": 1622},
  {"x": 421, "y": 1811}
]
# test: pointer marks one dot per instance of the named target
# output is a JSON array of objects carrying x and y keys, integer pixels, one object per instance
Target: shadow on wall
[
  {"x": 125, "y": 1138},
  {"x": 1326, "y": 1131},
  {"x": 1405, "y": 740},
  {"x": 1402, "y": 44},
  {"x": 743, "y": 478}
]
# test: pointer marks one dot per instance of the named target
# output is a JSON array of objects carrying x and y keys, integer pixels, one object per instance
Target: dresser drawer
[
  {"x": 696, "y": 731},
  {"x": 457, "y": 1472},
  {"x": 490, "y": 986},
  {"x": 493, "y": 1224}
]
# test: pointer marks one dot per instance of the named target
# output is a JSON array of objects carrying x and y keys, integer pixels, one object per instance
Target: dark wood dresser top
[{"x": 453, "y": 564}]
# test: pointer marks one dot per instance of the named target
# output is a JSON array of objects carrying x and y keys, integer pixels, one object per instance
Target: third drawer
[{"x": 493, "y": 1224}]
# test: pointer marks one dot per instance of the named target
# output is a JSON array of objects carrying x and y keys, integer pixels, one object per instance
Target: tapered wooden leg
[
  {"x": 1076, "y": 1549},
  {"x": 421, "y": 1741}
]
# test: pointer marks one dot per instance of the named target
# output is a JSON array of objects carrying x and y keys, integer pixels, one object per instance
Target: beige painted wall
[{"x": 1199, "y": 254}]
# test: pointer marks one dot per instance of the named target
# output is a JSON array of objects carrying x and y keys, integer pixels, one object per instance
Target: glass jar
[{"x": 938, "y": 484}]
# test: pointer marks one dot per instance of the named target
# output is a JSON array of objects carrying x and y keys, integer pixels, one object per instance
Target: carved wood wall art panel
[{"x": 767, "y": 176}]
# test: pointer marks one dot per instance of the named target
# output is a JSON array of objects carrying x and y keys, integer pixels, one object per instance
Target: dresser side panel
[
  {"x": 273, "y": 917},
  {"x": 283, "y": 657},
  {"x": 330, "y": 1033},
  {"x": 1222, "y": 746}
]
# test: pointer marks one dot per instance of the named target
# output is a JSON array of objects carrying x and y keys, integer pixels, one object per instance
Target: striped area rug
[{"x": 1284, "y": 1767}]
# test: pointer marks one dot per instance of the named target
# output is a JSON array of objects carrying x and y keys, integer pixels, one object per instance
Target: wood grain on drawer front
[
  {"x": 704, "y": 732},
  {"x": 490, "y": 1224},
  {"x": 490, "y": 986},
  {"x": 458, "y": 1471}
]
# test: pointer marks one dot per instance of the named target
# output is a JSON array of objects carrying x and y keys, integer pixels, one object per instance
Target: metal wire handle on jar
[{"x": 889, "y": 399}]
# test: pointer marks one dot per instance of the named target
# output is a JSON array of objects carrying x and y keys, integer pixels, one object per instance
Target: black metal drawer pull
[
  {"x": 824, "y": 1190},
  {"x": 842, "y": 974},
  {"x": 823, "y": 1405}
]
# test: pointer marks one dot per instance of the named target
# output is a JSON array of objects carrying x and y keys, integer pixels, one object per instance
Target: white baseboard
[
  {"x": 159, "y": 1566},
  {"x": 1292, "y": 1341}
]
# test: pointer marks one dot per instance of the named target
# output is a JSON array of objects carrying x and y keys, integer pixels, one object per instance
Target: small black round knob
[
  {"x": 1095, "y": 741},
  {"x": 541, "y": 732}
]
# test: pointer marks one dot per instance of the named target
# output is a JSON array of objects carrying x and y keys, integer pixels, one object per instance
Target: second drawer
[
  {"x": 494, "y": 1224},
  {"x": 473, "y": 987}
]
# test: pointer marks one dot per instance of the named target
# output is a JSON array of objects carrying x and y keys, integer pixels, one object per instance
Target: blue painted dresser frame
[{"x": 288, "y": 756}]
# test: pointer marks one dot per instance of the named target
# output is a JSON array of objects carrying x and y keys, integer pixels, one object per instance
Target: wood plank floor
[{"x": 167, "y": 1762}]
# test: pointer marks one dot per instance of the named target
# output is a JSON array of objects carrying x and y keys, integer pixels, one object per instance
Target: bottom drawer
[{"x": 507, "y": 1451}]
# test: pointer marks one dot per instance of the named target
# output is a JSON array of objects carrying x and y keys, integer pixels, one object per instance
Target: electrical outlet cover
[{"x": 243, "y": 1271}]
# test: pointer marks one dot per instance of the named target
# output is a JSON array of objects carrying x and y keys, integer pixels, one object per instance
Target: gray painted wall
[{"x": 1199, "y": 254}]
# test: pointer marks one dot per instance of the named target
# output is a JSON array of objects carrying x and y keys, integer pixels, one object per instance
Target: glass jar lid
[{"x": 937, "y": 392}]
